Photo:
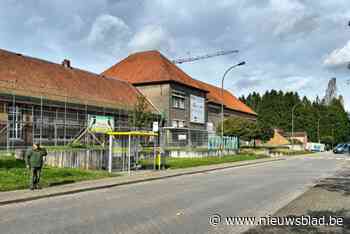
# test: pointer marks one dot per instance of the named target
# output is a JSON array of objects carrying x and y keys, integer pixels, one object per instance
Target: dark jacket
[{"x": 34, "y": 158}]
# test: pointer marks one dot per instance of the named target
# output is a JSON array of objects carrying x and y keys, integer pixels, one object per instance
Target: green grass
[
  {"x": 177, "y": 163},
  {"x": 15, "y": 176}
]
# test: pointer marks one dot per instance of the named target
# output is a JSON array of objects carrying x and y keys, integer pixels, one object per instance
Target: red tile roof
[
  {"x": 153, "y": 67},
  {"x": 229, "y": 100},
  {"x": 149, "y": 67},
  {"x": 33, "y": 77}
]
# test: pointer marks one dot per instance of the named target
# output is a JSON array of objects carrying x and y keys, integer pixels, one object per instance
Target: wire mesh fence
[
  {"x": 134, "y": 150},
  {"x": 185, "y": 137},
  {"x": 197, "y": 139}
]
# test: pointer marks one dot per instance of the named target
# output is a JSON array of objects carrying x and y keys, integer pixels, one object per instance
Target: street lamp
[
  {"x": 318, "y": 126},
  {"x": 222, "y": 102},
  {"x": 318, "y": 129},
  {"x": 293, "y": 109}
]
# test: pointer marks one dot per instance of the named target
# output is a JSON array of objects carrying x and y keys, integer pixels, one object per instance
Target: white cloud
[
  {"x": 108, "y": 33},
  {"x": 297, "y": 83},
  {"x": 296, "y": 24},
  {"x": 292, "y": 18},
  {"x": 338, "y": 57},
  {"x": 151, "y": 38}
]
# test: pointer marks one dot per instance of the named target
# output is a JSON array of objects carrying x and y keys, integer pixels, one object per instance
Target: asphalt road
[{"x": 175, "y": 205}]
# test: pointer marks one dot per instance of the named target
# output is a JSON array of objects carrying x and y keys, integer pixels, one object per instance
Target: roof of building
[
  {"x": 153, "y": 67},
  {"x": 23, "y": 75},
  {"x": 150, "y": 67},
  {"x": 229, "y": 100},
  {"x": 278, "y": 139},
  {"x": 295, "y": 134}
]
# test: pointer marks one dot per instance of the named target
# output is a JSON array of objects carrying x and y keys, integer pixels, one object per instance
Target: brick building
[{"x": 185, "y": 103}]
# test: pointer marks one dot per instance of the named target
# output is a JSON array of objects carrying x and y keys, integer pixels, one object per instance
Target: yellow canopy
[{"x": 132, "y": 133}]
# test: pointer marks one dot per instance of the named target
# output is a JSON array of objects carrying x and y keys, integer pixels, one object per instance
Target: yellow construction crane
[{"x": 191, "y": 59}]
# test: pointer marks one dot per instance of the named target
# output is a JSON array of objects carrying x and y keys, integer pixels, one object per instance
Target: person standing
[{"x": 35, "y": 161}]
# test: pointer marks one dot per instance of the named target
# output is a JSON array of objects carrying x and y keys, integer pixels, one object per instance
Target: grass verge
[
  {"x": 177, "y": 163},
  {"x": 14, "y": 175}
]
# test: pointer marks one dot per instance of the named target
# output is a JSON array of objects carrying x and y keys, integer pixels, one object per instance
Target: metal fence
[
  {"x": 184, "y": 137},
  {"x": 133, "y": 150},
  {"x": 147, "y": 150},
  {"x": 197, "y": 138}
]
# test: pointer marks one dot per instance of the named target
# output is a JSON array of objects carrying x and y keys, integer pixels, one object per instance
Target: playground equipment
[{"x": 127, "y": 149}]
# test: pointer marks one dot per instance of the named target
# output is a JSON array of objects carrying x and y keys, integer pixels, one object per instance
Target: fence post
[
  {"x": 8, "y": 136},
  {"x": 110, "y": 154},
  {"x": 129, "y": 159},
  {"x": 41, "y": 119}
]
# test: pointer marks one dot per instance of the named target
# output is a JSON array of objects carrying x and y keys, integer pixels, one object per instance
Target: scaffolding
[{"x": 28, "y": 117}]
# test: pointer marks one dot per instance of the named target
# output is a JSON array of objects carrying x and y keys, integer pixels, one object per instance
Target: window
[
  {"x": 174, "y": 123},
  {"x": 2, "y": 107},
  {"x": 178, "y": 123},
  {"x": 16, "y": 123},
  {"x": 178, "y": 101}
]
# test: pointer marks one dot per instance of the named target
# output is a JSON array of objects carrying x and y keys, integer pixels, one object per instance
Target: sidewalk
[
  {"x": 329, "y": 198},
  {"x": 136, "y": 177}
]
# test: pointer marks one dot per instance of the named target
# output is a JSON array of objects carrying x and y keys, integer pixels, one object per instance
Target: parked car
[{"x": 341, "y": 148}]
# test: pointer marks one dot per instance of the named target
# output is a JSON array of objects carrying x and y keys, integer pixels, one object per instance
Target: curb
[{"x": 73, "y": 191}]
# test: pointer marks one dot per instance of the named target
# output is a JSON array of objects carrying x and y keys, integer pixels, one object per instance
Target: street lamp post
[
  {"x": 318, "y": 130},
  {"x": 318, "y": 126},
  {"x": 293, "y": 109},
  {"x": 222, "y": 102}
]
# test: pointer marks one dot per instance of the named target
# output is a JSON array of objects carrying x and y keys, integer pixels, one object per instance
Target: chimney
[{"x": 66, "y": 63}]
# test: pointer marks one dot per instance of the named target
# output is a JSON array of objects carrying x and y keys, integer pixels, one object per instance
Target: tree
[
  {"x": 265, "y": 132},
  {"x": 246, "y": 129},
  {"x": 141, "y": 117},
  {"x": 329, "y": 140},
  {"x": 235, "y": 126},
  {"x": 274, "y": 110}
]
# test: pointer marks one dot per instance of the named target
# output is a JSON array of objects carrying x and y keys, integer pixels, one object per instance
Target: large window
[
  {"x": 16, "y": 123},
  {"x": 178, "y": 101}
]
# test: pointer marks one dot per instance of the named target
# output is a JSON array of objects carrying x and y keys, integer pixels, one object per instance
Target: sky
[{"x": 292, "y": 45}]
